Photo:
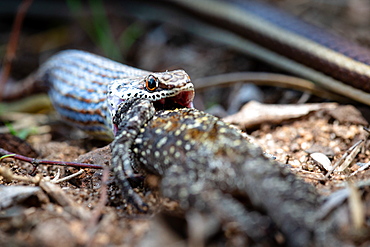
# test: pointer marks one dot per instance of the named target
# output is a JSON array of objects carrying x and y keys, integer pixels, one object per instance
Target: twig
[
  {"x": 356, "y": 207},
  {"x": 309, "y": 175},
  {"x": 265, "y": 79},
  {"x": 103, "y": 198},
  {"x": 96, "y": 213},
  {"x": 340, "y": 161},
  {"x": 56, "y": 176},
  {"x": 362, "y": 168},
  {"x": 351, "y": 156},
  {"x": 13, "y": 42},
  {"x": 55, "y": 181},
  {"x": 36, "y": 162},
  {"x": 9, "y": 176}
]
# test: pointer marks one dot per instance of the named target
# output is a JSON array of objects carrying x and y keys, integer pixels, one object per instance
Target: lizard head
[{"x": 167, "y": 90}]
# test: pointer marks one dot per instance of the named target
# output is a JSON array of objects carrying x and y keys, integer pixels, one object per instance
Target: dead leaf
[
  {"x": 254, "y": 113},
  {"x": 99, "y": 156},
  {"x": 12, "y": 195},
  {"x": 348, "y": 114},
  {"x": 60, "y": 197},
  {"x": 323, "y": 160}
]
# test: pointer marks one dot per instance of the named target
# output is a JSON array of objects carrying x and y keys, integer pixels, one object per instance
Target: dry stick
[
  {"x": 36, "y": 162},
  {"x": 266, "y": 79},
  {"x": 340, "y": 161},
  {"x": 97, "y": 212},
  {"x": 356, "y": 207},
  {"x": 9, "y": 176},
  {"x": 13, "y": 42},
  {"x": 362, "y": 168},
  {"x": 56, "y": 181}
]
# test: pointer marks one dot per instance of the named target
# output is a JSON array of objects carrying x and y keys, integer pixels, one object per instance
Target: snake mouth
[{"x": 183, "y": 99}]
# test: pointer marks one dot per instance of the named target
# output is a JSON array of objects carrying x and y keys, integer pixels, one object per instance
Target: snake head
[{"x": 167, "y": 90}]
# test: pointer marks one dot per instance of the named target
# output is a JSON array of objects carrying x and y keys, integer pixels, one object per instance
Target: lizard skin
[
  {"x": 85, "y": 89},
  {"x": 208, "y": 166}
]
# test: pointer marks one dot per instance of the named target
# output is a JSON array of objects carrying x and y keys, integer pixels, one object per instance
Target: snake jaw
[
  {"x": 183, "y": 99},
  {"x": 167, "y": 90}
]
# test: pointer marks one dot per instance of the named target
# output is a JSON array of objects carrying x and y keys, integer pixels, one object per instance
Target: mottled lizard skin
[{"x": 207, "y": 165}]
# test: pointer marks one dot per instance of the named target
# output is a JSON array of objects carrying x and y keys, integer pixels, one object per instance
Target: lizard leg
[
  {"x": 199, "y": 194},
  {"x": 130, "y": 117}
]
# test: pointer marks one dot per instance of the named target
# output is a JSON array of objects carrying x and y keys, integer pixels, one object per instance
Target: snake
[
  {"x": 334, "y": 63},
  {"x": 86, "y": 89}
]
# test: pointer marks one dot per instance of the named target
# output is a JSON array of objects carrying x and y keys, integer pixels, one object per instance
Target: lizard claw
[
  {"x": 142, "y": 208},
  {"x": 132, "y": 197}
]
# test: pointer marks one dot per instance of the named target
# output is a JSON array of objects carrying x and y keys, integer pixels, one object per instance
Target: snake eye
[{"x": 151, "y": 83}]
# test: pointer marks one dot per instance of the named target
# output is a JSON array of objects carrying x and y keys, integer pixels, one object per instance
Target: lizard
[
  {"x": 207, "y": 165},
  {"x": 85, "y": 89}
]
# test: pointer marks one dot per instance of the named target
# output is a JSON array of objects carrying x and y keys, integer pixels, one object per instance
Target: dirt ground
[{"x": 83, "y": 211}]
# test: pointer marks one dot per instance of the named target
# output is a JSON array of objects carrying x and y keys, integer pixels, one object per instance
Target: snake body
[
  {"x": 86, "y": 89},
  {"x": 291, "y": 37},
  {"x": 333, "y": 62}
]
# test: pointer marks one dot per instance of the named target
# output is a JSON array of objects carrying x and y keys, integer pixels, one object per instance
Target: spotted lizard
[{"x": 209, "y": 166}]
